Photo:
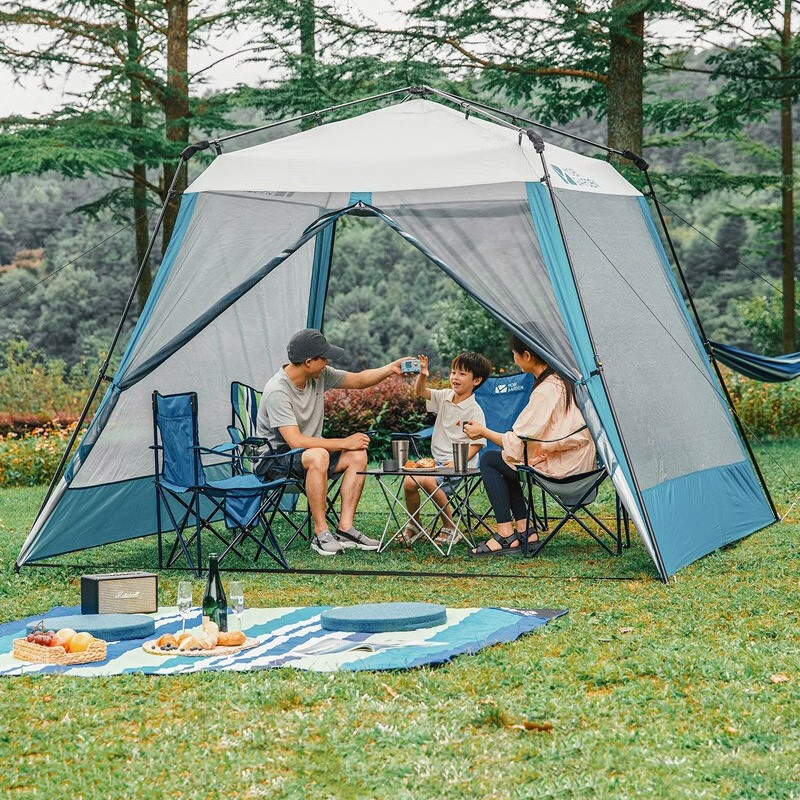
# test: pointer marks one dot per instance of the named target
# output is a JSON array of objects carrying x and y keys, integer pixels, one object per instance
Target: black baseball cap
[{"x": 310, "y": 343}]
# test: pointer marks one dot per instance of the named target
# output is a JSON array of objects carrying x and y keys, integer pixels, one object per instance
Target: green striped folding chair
[{"x": 244, "y": 408}]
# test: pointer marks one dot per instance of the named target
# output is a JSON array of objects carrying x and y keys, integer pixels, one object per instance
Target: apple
[
  {"x": 65, "y": 636},
  {"x": 80, "y": 642}
]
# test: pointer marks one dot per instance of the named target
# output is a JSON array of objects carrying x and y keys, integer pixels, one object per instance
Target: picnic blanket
[{"x": 294, "y": 637}]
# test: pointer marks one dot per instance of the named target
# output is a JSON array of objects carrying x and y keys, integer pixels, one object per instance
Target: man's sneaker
[
  {"x": 326, "y": 544},
  {"x": 354, "y": 538}
]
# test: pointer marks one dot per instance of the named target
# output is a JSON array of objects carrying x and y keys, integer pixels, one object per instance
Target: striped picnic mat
[{"x": 294, "y": 637}]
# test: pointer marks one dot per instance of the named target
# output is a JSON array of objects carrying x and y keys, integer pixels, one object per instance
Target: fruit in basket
[
  {"x": 80, "y": 642},
  {"x": 64, "y": 637}
]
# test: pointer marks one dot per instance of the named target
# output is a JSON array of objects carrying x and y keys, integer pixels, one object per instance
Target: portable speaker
[{"x": 119, "y": 593}]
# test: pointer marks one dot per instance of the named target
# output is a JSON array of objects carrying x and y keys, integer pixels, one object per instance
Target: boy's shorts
[{"x": 447, "y": 484}]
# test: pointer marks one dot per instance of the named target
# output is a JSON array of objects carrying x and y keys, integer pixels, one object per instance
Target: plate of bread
[
  {"x": 207, "y": 641},
  {"x": 423, "y": 463}
]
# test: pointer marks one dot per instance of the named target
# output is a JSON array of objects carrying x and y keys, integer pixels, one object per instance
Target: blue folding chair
[
  {"x": 245, "y": 401},
  {"x": 192, "y": 500}
]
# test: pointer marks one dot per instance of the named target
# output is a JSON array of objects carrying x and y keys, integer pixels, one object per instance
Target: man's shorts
[{"x": 278, "y": 467}]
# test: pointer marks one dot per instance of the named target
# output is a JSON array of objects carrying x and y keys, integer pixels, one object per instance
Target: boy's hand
[
  {"x": 423, "y": 365},
  {"x": 473, "y": 429},
  {"x": 448, "y": 464}
]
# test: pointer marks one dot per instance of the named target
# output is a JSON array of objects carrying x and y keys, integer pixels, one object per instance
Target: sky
[{"x": 28, "y": 96}]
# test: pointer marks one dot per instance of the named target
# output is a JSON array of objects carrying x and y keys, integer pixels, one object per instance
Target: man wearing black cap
[{"x": 290, "y": 416}]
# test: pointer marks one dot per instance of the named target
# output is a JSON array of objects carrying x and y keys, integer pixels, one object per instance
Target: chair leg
[{"x": 199, "y": 537}]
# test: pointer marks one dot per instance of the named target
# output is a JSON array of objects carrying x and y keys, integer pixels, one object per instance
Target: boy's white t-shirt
[{"x": 449, "y": 426}]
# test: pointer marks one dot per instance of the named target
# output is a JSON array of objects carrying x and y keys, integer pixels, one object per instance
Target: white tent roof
[{"x": 417, "y": 144}]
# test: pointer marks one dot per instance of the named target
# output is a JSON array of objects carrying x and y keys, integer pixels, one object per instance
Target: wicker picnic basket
[{"x": 29, "y": 651}]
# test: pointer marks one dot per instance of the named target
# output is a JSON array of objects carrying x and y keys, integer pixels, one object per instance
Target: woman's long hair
[{"x": 519, "y": 347}]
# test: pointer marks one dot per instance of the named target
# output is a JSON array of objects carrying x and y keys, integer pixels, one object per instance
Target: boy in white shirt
[{"x": 453, "y": 407}]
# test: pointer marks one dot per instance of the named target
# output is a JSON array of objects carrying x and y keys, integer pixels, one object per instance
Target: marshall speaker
[{"x": 119, "y": 593}]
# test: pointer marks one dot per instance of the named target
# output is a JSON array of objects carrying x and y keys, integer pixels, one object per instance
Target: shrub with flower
[
  {"x": 390, "y": 407},
  {"x": 31, "y": 458}
]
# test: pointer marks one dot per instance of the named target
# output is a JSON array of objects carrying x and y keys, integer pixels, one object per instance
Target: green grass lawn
[{"x": 643, "y": 690}]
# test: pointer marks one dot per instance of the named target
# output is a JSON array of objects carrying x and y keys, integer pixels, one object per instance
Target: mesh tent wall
[{"x": 579, "y": 273}]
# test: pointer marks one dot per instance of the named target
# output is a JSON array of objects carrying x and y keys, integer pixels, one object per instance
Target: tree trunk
[
  {"x": 308, "y": 55},
  {"x": 626, "y": 77},
  {"x": 141, "y": 224},
  {"x": 787, "y": 184},
  {"x": 176, "y": 105}
]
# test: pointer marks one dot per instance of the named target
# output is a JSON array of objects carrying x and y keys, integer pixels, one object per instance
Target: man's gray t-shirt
[{"x": 282, "y": 404}]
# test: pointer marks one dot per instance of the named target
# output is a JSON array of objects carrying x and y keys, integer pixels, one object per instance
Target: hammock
[{"x": 761, "y": 368}]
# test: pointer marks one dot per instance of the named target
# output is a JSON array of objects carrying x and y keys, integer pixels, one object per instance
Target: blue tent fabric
[{"x": 770, "y": 369}]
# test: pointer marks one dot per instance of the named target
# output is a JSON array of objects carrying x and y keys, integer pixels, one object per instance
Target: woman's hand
[{"x": 474, "y": 429}]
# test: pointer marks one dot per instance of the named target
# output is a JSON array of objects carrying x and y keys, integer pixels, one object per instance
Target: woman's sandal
[{"x": 505, "y": 548}]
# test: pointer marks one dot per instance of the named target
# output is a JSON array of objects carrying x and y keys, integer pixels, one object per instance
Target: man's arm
[
  {"x": 370, "y": 377},
  {"x": 292, "y": 436}
]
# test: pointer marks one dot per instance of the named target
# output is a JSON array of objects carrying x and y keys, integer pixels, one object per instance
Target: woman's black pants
[{"x": 504, "y": 488}]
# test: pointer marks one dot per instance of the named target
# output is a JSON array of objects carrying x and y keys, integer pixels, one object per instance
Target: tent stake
[
  {"x": 101, "y": 375},
  {"x": 708, "y": 348}
]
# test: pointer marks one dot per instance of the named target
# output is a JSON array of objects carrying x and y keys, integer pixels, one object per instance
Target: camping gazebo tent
[{"x": 559, "y": 247}]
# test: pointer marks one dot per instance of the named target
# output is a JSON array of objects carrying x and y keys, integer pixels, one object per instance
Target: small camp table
[{"x": 463, "y": 487}]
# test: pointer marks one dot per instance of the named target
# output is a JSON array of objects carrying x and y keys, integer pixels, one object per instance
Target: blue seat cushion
[
  {"x": 380, "y": 617},
  {"x": 110, "y": 627}
]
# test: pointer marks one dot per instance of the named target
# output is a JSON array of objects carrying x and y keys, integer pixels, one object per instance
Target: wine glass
[
  {"x": 236, "y": 595},
  {"x": 184, "y": 601}
]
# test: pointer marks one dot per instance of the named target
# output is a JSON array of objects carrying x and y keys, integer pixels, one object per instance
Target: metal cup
[
  {"x": 461, "y": 456},
  {"x": 400, "y": 451}
]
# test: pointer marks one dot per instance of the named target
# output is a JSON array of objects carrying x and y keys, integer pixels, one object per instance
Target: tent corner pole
[
  {"x": 101, "y": 375},
  {"x": 539, "y": 146},
  {"x": 707, "y": 345}
]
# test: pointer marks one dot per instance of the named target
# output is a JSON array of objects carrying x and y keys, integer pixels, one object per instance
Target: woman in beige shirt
[{"x": 565, "y": 447}]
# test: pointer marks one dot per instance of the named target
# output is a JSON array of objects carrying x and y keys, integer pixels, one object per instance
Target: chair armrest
[
  {"x": 255, "y": 441},
  {"x": 225, "y": 447},
  {"x": 425, "y": 433},
  {"x": 285, "y": 453}
]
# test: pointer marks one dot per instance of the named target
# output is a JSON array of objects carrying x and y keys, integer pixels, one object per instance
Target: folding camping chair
[
  {"x": 502, "y": 398},
  {"x": 573, "y": 495},
  {"x": 244, "y": 411},
  {"x": 243, "y": 501}
]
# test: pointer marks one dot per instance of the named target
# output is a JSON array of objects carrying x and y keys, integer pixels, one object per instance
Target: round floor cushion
[
  {"x": 380, "y": 617},
  {"x": 110, "y": 627}
]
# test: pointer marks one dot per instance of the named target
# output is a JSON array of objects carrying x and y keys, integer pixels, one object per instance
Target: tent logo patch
[
  {"x": 508, "y": 388},
  {"x": 574, "y": 178}
]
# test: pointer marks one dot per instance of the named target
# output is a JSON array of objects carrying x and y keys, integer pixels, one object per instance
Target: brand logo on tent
[
  {"x": 507, "y": 388},
  {"x": 574, "y": 178}
]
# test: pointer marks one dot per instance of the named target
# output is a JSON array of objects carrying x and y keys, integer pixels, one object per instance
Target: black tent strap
[
  {"x": 372, "y": 573},
  {"x": 232, "y": 296}
]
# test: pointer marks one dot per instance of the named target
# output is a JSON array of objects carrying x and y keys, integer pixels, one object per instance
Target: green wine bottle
[{"x": 215, "y": 604}]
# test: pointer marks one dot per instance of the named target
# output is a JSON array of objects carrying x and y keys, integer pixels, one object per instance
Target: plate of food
[
  {"x": 203, "y": 642},
  {"x": 422, "y": 463}
]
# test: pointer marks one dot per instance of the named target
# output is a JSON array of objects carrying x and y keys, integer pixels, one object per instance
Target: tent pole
[
  {"x": 707, "y": 346},
  {"x": 422, "y": 91},
  {"x": 101, "y": 375},
  {"x": 538, "y": 144},
  {"x": 312, "y": 114},
  {"x": 454, "y": 98}
]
